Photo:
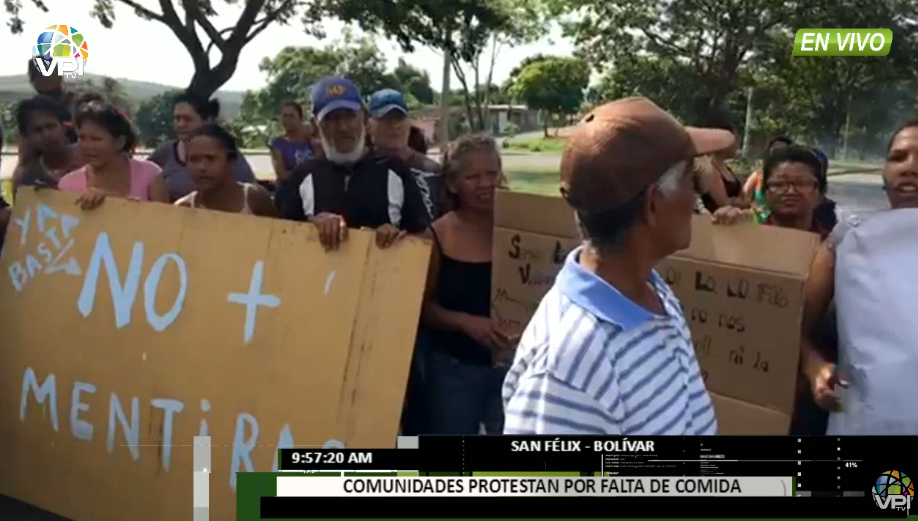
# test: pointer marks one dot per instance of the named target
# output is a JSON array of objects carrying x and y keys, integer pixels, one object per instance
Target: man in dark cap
[
  {"x": 350, "y": 185},
  {"x": 608, "y": 350}
]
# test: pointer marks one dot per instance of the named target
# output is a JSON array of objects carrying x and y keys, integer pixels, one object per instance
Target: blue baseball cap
[
  {"x": 385, "y": 101},
  {"x": 333, "y": 93}
]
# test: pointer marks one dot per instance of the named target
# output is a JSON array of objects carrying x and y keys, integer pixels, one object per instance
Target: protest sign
[
  {"x": 741, "y": 288},
  {"x": 130, "y": 329}
]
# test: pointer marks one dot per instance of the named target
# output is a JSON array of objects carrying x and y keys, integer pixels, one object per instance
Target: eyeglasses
[{"x": 802, "y": 188}]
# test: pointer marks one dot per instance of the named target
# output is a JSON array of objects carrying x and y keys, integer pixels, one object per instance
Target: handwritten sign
[
  {"x": 745, "y": 327},
  {"x": 129, "y": 330},
  {"x": 741, "y": 288},
  {"x": 532, "y": 236}
]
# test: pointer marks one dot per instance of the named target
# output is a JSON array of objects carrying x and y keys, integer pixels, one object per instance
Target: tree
[
  {"x": 154, "y": 119},
  {"x": 294, "y": 70},
  {"x": 413, "y": 81},
  {"x": 824, "y": 95},
  {"x": 523, "y": 22},
  {"x": 713, "y": 40},
  {"x": 463, "y": 29},
  {"x": 554, "y": 85},
  {"x": 256, "y": 16},
  {"x": 13, "y": 8},
  {"x": 667, "y": 82}
]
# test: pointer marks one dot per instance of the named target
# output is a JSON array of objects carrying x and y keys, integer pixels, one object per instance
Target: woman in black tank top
[
  {"x": 463, "y": 383},
  {"x": 722, "y": 187}
]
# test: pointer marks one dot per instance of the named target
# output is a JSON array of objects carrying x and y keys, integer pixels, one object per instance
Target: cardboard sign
[
  {"x": 532, "y": 236},
  {"x": 131, "y": 329},
  {"x": 741, "y": 288}
]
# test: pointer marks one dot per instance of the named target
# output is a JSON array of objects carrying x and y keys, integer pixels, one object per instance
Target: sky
[{"x": 147, "y": 50}]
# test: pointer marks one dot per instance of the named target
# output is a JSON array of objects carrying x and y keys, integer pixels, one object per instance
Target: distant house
[
  {"x": 499, "y": 119},
  {"x": 521, "y": 116}
]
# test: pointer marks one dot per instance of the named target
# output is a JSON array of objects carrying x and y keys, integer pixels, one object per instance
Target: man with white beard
[{"x": 350, "y": 185}]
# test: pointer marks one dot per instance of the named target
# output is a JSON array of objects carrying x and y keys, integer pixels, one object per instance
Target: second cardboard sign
[{"x": 741, "y": 289}]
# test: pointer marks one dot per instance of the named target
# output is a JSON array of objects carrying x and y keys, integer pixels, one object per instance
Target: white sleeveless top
[
  {"x": 876, "y": 295},
  {"x": 246, "y": 187}
]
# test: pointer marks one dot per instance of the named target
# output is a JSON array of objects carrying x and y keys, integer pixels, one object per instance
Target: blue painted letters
[
  {"x": 242, "y": 447},
  {"x": 131, "y": 431},
  {"x": 170, "y": 409},
  {"x": 161, "y": 322},
  {"x": 123, "y": 296},
  {"x": 46, "y": 391},
  {"x": 252, "y": 300},
  {"x": 81, "y": 429}
]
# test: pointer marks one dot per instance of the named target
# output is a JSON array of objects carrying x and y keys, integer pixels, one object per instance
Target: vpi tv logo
[
  {"x": 61, "y": 48},
  {"x": 895, "y": 490}
]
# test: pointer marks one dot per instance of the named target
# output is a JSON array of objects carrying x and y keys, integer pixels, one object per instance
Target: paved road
[
  {"x": 261, "y": 163},
  {"x": 853, "y": 192}
]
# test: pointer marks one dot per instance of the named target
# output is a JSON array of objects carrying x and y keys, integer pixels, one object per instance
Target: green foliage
[
  {"x": 697, "y": 59},
  {"x": 555, "y": 85},
  {"x": 710, "y": 41},
  {"x": 154, "y": 119},
  {"x": 539, "y": 144},
  {"x": 413, "y": 81},
  {"x": 472, "y": 32},
  {"x": 14, "y": 8},
  {"x": 294, "y": 69},
  {"x": 422, "y": 22}
]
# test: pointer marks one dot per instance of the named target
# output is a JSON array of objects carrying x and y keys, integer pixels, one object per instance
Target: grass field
[
  {"x": 538, "y": 144},
  {"x": 543, "y": 182}
]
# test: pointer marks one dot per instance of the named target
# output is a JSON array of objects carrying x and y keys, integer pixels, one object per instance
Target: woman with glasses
[{"x": 794, "y": 182}]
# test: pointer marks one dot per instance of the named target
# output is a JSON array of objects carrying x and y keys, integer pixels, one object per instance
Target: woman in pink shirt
[{"x": 106, "y": 139}]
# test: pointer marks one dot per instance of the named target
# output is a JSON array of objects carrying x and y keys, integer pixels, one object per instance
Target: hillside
[{"x": 15, "y": 88}]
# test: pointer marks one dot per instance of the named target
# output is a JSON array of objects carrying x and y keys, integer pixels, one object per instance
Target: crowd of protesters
[{"x": 608, "y": 350}]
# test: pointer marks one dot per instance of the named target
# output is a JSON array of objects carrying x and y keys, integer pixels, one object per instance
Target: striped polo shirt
[{"x": 591, "y": 361}]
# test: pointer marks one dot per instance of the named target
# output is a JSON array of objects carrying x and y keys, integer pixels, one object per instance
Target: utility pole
[
  {"x": 844, "y": 154},
  {"x": 444, "y": 96},
  {"x": 748, "y": 130}
]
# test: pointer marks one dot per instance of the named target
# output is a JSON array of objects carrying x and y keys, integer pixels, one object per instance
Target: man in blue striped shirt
[{"x": 608, "y": 350}]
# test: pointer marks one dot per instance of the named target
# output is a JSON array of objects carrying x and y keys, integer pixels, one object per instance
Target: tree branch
[
  {"x": 268, "y": 19},
  {"x": 143, "y": 11},
  {"x": 239, "y": 37},
  {"x": 193, "y": 8},
  {"x": 214, "y": 42}
]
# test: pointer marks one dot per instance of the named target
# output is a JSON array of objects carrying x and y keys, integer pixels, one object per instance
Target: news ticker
[
  {"x": 821, "y": 465},
  {"x": 352, "y": 495}
]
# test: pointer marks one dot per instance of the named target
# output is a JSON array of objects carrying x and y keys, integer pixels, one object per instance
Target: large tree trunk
[{"x": 229, "y": 41}]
